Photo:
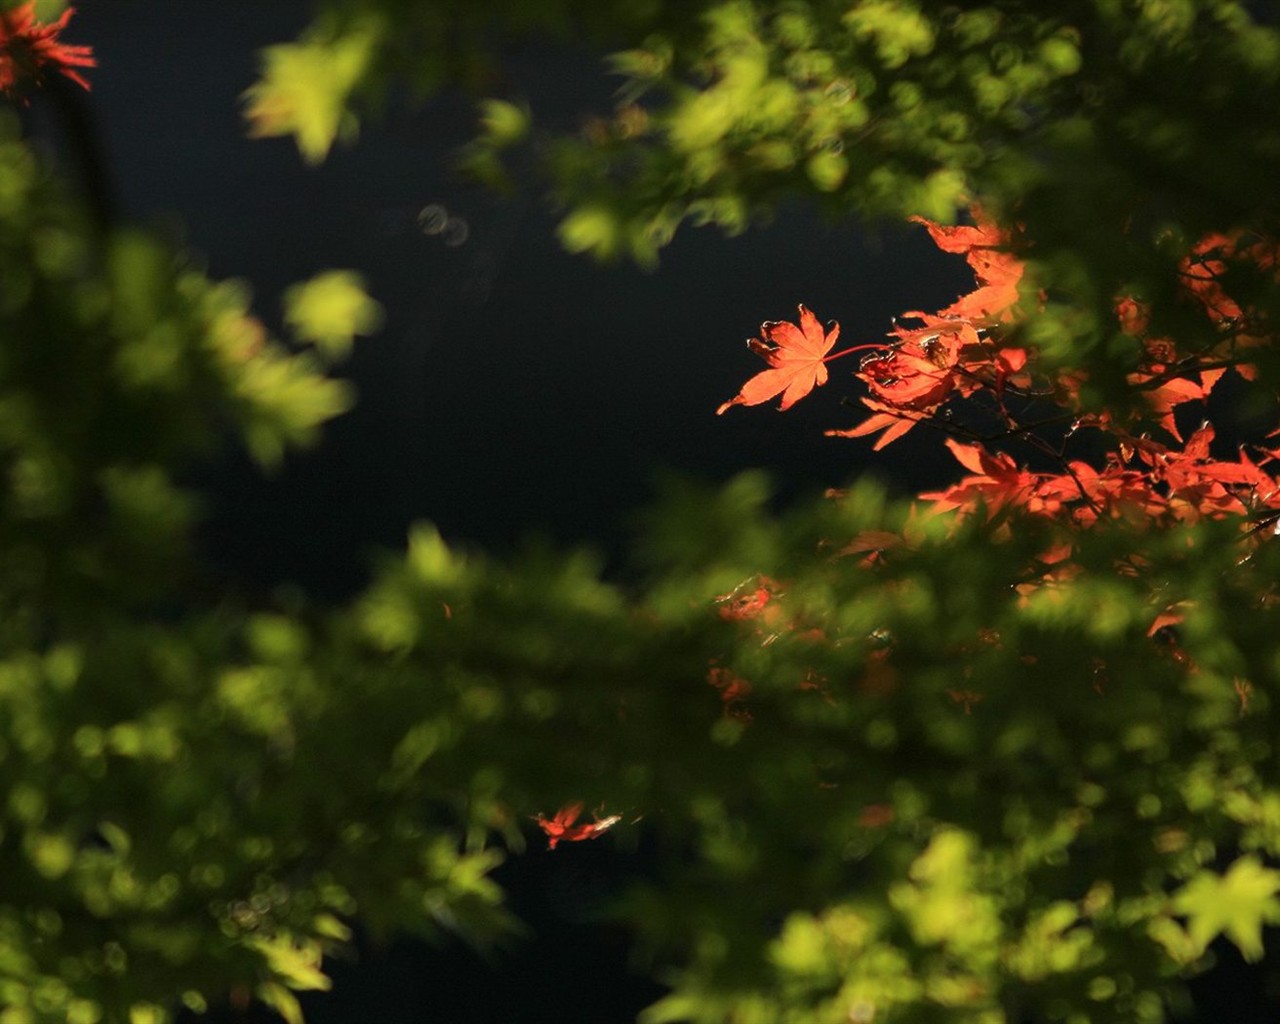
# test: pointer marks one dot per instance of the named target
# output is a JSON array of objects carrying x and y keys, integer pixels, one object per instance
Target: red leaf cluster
[
  {"x": 935, "y": 366},
  {"x": 965, "y": 356},
  {"x": 29, "y": 50},
  {"x": 1155, "y": 481},
  {"x": 953, "y": 353}
]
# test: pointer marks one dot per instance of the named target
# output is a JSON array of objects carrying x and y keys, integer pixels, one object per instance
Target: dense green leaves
[{"x": 895, "y": 766}]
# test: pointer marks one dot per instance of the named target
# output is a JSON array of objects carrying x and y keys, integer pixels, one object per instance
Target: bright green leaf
[
  {"x": 305, "y": 87},
  {"x": 1236, "y": 904},
  {"x": 329, "y": 310}
]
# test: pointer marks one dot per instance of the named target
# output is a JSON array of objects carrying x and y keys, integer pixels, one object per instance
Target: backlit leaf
[{"x": 329, "y": 310}]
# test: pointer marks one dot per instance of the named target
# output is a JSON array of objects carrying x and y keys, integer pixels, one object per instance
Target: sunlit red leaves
[
  {"x": 1170, "y": 377},
  {"x": 917, "y": 372},
  {"x": 796, "y": 356},
  {"x": 985, "y": 248},
  {"x": 996, "y": 482},
  {"x": 956, "y": 353},
  {"x": 924, "y": 368},
  {"x": 1146, "y": 481},
  {"x": 1193, "y": 485},
  {"x": 932, "y": 359},
  {"x": 950, "y": 354},
  {"x": 969, "y": 350},
  {"x": 30, "y": 50},
  {"x": 563, "y": 826},
  {"x": 921, "y": 367}
]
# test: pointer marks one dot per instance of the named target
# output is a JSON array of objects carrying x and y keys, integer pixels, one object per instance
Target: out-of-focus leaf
[
  {"x": 305, "y": 87},
  {"x": 329, "y": 310},
  {"x": 1236, "y": 904}
]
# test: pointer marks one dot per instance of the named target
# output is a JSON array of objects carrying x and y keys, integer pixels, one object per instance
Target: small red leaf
[{"x": 561, "y": 827}]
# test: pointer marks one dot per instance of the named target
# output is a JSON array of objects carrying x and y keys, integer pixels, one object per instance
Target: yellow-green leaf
[
  {"x": 305, "y": 87},
  {"x": 1236, "y": 904},
  {"x": 282, "y": 1001},
  {"x": 297, "y": 964},
  {"x": 330, "y": 310}
]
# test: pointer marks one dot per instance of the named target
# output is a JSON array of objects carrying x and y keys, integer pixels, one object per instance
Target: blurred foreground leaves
[{"x": 946, "y": 788}]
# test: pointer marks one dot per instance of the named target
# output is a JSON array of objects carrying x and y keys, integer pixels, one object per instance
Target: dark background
[{"x": 514, "y": 390}]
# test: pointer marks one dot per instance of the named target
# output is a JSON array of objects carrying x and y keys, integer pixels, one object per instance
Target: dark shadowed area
[{"x": 514, "y": 388}]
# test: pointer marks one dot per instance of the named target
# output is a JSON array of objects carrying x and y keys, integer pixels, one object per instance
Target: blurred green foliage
[{"x": 1033, "y": 810}]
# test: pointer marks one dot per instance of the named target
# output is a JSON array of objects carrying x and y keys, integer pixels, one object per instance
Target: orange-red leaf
[
  {"x": 894, "y": 424},
  {"x": 998, "y": 272},
  {"x": 796, "y": 361},
  {"x": 28, "y": 49},
  {"x": 961, "y": 238},
  {"x": 561, "y": 827}
]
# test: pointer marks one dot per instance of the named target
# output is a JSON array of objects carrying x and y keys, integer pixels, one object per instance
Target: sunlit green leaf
[
  {"x": 330, "y": 310},
  {"x": 1236, "y": 904}
]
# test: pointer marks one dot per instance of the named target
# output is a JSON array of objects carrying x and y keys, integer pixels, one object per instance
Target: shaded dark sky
[{"x": 514, "y": 388}]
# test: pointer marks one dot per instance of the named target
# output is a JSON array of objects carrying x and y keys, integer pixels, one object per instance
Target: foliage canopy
[{"x": 1005, "y": 753}]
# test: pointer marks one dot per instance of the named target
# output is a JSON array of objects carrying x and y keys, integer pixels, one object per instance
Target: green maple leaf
[
  {"x": 329, "y": 310},
  {"x": 1236, "y": 904},
  {"x": 305, "y": 87}
]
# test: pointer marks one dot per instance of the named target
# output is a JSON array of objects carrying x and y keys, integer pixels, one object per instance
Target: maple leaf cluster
[
  {"x": 935, "y": 361},
  {"x": 30, "y": 50},
  {"x": 952, "y": 354},
  {"x": 948, "y": 355},
  {"x": 936, "y": 366}
]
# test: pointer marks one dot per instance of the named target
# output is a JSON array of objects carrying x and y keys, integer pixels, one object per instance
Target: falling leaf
[{"x": 796, "y": 358}]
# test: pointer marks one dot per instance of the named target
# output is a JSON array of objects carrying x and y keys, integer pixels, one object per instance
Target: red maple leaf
[
  {"x": 28, "y": 49},
  {"x": 997, "y": 270},
  {"x": 892, "y": 421},
  {"x": 562, "y": 827},
  {"x": 797, "y": 358},
  {"x": 997, "y": 481},
  {"x": 1202, "y": 272}
]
